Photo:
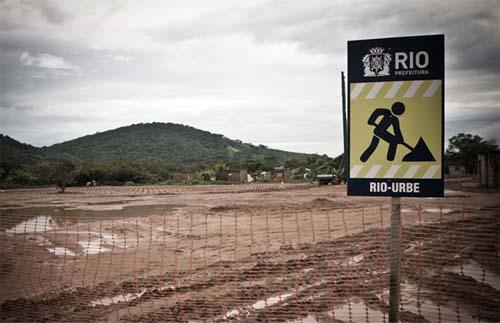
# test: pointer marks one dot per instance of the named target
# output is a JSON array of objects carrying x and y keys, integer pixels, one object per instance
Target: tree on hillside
[
  {"x": 21, "y": 177},
  {"x": 292, "y": 163},
  {"x": 270, "y": 162},
  {"x": 253, "y": 165},
  {"x": 61, "y": 172},
  {"x": 220, "y": 166},
  {"x": 465, "y": 148}
]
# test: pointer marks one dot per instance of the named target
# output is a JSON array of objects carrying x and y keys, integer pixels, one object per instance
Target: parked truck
[{"x": 325, "y": 179}]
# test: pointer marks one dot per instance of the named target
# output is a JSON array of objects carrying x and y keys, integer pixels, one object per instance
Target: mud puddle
[
  {"x": 415, "y": 301},
  {"x": 92, "y": 247},
  {"x": 270, "y": 301},
  {"x": 474, "y": 270},
  {"x": 33, "y": 225},
  {"x": 357, "y": 311},
  {"x": 430, "y": 210},
  {"x": 106, "y": 301},
  {"x": 453, "y": 193},
  {"x": 40, "y": 219},
  {"x": 61, "y": 251}
]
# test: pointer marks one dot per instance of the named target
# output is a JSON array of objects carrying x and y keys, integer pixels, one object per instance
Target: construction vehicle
[
  {"x": 325, "y": 179},
  {"x": 327, "y": 174}
]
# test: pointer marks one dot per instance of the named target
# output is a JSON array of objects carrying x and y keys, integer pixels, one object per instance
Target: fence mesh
[{"x": 317, "y": 265}]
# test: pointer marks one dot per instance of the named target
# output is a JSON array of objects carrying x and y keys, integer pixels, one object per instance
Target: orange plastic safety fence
[{"x": 317, "y": 265}]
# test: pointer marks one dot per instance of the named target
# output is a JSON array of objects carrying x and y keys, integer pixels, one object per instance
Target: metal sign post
[
  {"x": 395, "y": 127},
  {"x": 395, "y": 259},
  {"x": 344, "y": 128}
]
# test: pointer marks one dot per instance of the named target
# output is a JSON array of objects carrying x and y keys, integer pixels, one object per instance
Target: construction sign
[{"x": 396, "y": 116}]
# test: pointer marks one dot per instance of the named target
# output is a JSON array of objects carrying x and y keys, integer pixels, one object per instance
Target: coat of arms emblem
[{"x": 376, "y": 62}]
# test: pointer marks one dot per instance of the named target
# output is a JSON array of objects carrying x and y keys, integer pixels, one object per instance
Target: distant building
[
  {"x": 239, "y": 176},
  {"x": 250, "y": 178},
  {"x": 264, "y": 175},
  {"x": 489, "y": 169},
  {"x": 281, "y": 174},
  {"x": 456, "y": 169},
  {"x": 179, "y": 177}
]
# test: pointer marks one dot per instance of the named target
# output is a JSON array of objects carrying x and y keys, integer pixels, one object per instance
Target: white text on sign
[
  {"x": 409, "y": 60},
  {"x": 395, "y": 187}
]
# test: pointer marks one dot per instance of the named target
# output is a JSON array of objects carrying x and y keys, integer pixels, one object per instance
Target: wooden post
[{"x": 395, "y": 256}]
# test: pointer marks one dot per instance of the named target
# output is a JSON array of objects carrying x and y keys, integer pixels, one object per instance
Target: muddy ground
[{"x": 254, "y": 252}]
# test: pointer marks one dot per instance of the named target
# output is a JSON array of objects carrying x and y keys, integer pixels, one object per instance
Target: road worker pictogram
[{"x": 389, "y": 119}]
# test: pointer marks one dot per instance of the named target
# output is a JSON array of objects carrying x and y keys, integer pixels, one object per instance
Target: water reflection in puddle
[
  {"x": 270, "y": 301},
  {"x": 40, "y": 219},
  {"x": 474, "y": 270},
  {"x": 422, "y": 304},
  {"x": 429, "y": 309},
  {"x": 47, "y": 231},
  {"x": 358, "y": 312},
  {"x": 61, "y": 251},
  {"x": 436, "y": 210},
  {"x": 430, "y": 210},
  {"x": 37, "y": 224},
  {"x": 310, "y": 318},
  {"x": 455, "y": 193},
  {"x": 106, "y": 301},
  {"x": 92, "y": 247}
]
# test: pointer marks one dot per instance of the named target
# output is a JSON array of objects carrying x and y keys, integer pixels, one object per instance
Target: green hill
[
  {"x": 145, "y": 143},
  {"x": 14, "y": 153}
]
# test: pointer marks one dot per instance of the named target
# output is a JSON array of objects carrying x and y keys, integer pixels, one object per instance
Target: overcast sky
[{"x": 265, "y": 72}]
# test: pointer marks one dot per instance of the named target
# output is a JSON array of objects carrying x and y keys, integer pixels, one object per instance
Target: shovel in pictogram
[{"x": 419, "y": 153}]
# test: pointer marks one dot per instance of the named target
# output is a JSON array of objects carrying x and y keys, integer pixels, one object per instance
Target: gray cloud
[
  {"x": 15, "y": 13},
  {"x": 260, "y": 71},
  {"x": 48, "y": 61},
  {"x": 471, "y": 28},
  {"x": 51, "y": 12},
  {"x": 13, "y": 106}
]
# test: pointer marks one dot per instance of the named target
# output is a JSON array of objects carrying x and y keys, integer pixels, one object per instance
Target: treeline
[
  {"x": 65, "y": 172},
  {"x": 80, "y": 173}
]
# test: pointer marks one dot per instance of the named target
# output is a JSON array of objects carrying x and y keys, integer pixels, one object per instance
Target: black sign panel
[{"x": 396, "y": 116}]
